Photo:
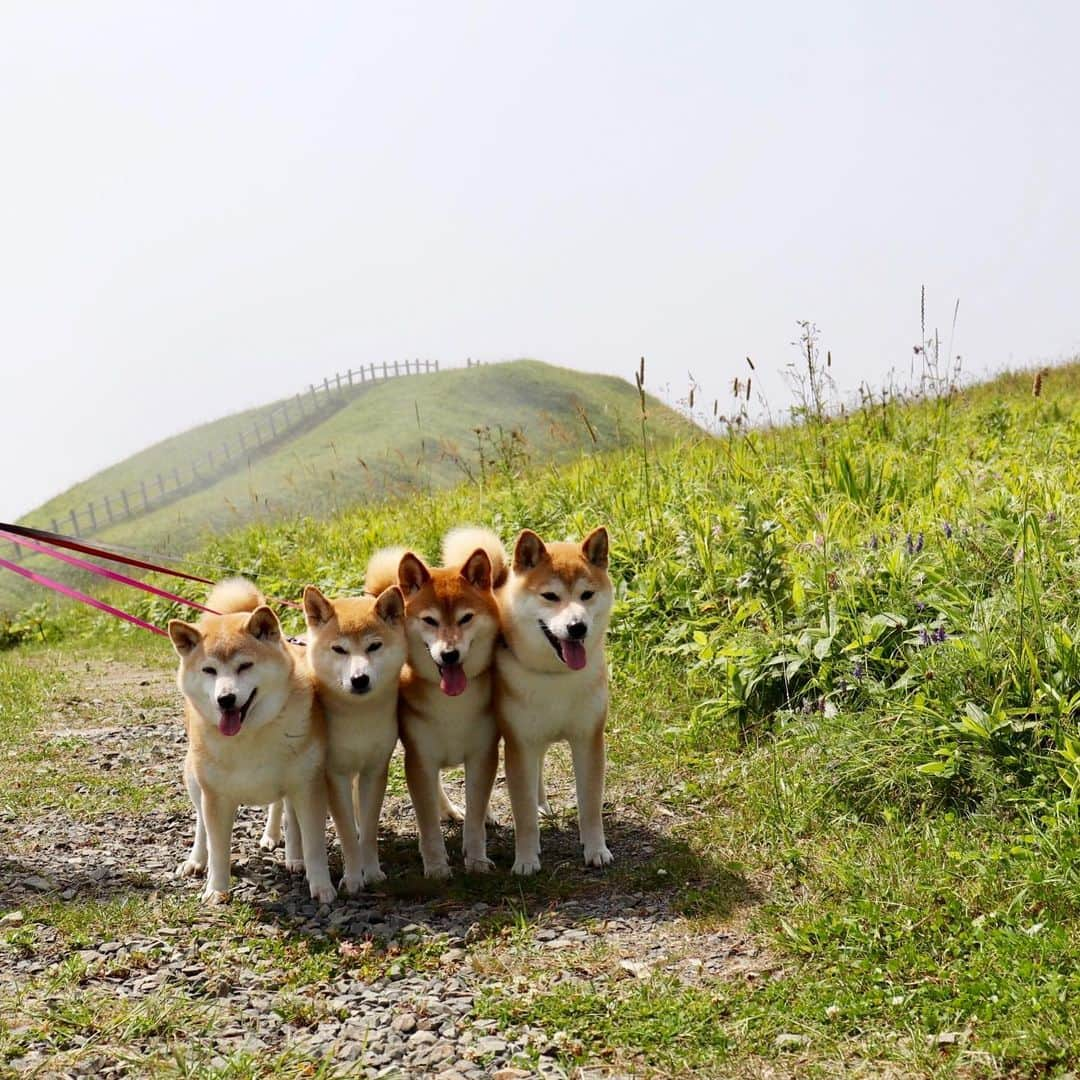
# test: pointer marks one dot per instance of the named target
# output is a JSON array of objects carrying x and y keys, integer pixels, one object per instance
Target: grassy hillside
[
  {"x": 846, "y": 676},
  {"x": 392, "y": 438}
]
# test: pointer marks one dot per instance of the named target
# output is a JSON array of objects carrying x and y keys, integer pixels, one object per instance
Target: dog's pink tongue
[
  {"x": 452, "y": 679},
  {"x": 230, "y": 721},
  {"x": 573, "y": 653}
]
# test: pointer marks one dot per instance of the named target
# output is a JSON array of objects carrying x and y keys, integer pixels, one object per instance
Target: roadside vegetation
[{"x": 846, "y": 661}]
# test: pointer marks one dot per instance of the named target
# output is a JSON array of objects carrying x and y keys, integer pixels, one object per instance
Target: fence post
[
  {"x": 75, "y": 523},
  {"x": 108, "y": 509},
  {"x": 93, "y": 516},
  {"x": 372, "y": 366},
  {"x": 145, "y": 500},
  {"x": 273, "y": 428},
  {"x": 55, "y": 525},
  {"x": 127, "y": 508},
  {"x": 337, "y": 376},
  {"x": 314, "y": 399},
  {"x": 326, "y": 387},
  {"x": 161, "y": 484},
  {"x": 385, "y": 373},
  {"x": 361, "y": 372},
  {"x": 436, "y": 363},
  {"x": 350, "y": 376}
]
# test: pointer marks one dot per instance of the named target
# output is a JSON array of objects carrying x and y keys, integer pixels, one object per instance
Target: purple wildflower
[
  {"x": 924, "y": 636},
  {"x": 939, "y": 635},
  {"x": 1051, "y": 517},
  {"x": 920, "y": 605},
  {"x": 910, "y": 544},
  {"x": 919, "y": 543},
  {"x": 874, "y": 542},
  {"x": 946, "y": 528},
  {"x": 858, "y": 669}
]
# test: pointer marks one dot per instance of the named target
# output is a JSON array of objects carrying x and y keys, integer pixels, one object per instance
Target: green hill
[{"x": 380, "y": 440}]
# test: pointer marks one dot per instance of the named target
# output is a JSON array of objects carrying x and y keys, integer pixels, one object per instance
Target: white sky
[{"x": 204, "y": 206}]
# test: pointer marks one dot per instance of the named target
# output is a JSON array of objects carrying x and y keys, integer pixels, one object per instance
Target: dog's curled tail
[
  {"x": 459, "y": 544},
  {"x": 234, "y": 594},
  {"x": 382, "y": 570}
]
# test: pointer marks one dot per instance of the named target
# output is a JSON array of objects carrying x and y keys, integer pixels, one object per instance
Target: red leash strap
[
  {"x": 59, "y": 540},
  {"x": 101, "y": 571},
  {"x": 74, "y": 594}
]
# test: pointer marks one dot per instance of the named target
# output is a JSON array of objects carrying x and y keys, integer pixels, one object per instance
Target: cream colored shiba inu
[
  {"x": 356, "y": 648},
  {"x": 445, "y": 714},
  {"x": 256, "y": 734},
  {"x": 551, "y": 678}
]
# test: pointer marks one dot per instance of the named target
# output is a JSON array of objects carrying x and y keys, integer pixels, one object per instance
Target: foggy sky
[{"x": 208, "y": 206}]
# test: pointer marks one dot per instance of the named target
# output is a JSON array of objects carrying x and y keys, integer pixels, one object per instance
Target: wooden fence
[{"x": 269, "y": 428}]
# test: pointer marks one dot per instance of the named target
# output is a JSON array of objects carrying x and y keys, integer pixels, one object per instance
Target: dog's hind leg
[
  {"x": 294, "y": 849},
  {"x": 271, "y": 836},
  {"x": 541, "y": 794},
  {"x": 448, "y": 811}
]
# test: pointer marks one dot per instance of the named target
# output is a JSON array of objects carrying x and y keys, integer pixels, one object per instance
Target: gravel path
[{"x": 407, "y": 963}]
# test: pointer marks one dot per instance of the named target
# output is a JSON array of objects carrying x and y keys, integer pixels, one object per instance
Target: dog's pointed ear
[
  {"x": 595, "y": 547},
  {"x": 528, "y": 551},
  {"x": 185, "y": 636},
  {"x": 412, "y": 574},
  {"x": 477, "y": 570},
  {"x": 390, "y": 605},
  {"x": 318, "y": 611},
  {"x": 263, "y": 625}
]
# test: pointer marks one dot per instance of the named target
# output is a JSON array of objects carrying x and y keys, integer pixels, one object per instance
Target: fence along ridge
[{"x": 269, "y": 429}]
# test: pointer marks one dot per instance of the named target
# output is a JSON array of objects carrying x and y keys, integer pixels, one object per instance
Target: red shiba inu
[
  {"x": 551, "y": 678},
  {"x": 256, "y": 734},
  {"x": 356, "y": 648},
  {"x": 445, "y": 716}
]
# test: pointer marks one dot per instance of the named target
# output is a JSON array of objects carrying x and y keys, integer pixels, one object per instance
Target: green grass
[
  {"x": 846, "y": 656},
  {"x": 392, "y": 439}
]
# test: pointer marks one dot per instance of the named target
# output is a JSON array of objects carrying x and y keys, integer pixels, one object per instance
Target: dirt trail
[{"x": 386, "y": 981}]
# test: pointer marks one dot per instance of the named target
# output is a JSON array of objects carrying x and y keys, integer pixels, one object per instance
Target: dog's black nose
[
  {"x": 450, "y": 656},
  {"x": 360, "y": 682},
  {"x": 227, "y": 701},
  {"x": 577, "y": 630}
]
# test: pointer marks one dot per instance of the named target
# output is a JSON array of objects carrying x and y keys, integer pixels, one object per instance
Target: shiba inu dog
[
  {"x": 445, "y": 715},
  {"x": 551, "y": 678},
  {"x": 256, "y": 734},
  {"x": 356, "y": 648}
]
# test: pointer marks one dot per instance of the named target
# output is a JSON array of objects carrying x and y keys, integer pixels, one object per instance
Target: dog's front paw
[
  {"x": 479, "y": 866},
  {"x": 323, "y": 892},
  {"x": 526, "y": 865},
  {"x": 437, "y": 871},
  {"x": 372, "y": 875},
  {"x": 190, "y": 868},
  {"x": 214, "y": 897},
  {"x": 598, "y": 856},
  {"x": 294, "y": 866},
  {"x": 451, "y": 812},
  {"x": 268, "y": 841}
]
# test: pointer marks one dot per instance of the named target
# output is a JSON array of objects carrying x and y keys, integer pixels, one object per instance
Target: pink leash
[
  {"x": 74, "y": 594},
  {"x": 82, "y": 564}
]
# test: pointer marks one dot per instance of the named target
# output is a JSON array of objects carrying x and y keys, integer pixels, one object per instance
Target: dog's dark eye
[
  {"x": 588, "y": 594},
  {"x": 209, "y": 670},
  {"x": 375, "y": 646},
  {"x": 430, "y": 621},
  {"x": 244, "y": 666},
  {"x": 550, "y": 596},
  {"x": 340, "y": 650},
  {"x": 467, "y": 617}
]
